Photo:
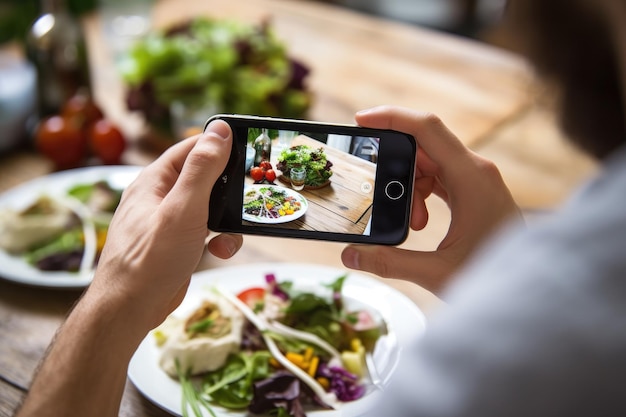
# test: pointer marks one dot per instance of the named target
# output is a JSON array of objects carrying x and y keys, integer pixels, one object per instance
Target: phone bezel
[{"x": 390, "y": 229}]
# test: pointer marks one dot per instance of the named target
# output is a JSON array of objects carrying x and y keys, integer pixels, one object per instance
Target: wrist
[
  {"x": 120, "y": 313},
  {"x": 85, "y": 370},
  {"x": 134, "y": 305}
]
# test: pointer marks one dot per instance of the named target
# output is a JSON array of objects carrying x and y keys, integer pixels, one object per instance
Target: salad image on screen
[{"x": 310, "y": 181}]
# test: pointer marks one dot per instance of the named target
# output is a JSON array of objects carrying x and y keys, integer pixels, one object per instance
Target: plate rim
[
  {"x": 311, "y": 271},
  {"x": 35, "y": 186}
]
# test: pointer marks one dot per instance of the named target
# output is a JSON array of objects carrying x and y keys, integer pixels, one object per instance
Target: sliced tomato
[{"x": 253, "y": 297}]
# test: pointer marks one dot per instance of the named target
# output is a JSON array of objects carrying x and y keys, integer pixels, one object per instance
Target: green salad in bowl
[
  {"x": 224, "y": 65},
  {"x": 317, "y": 165}
]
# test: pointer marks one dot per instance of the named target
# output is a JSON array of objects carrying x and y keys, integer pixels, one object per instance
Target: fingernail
[
  {"x": 364, "y": 111},
  {"x": 350, "y": 258},
  {"x": 219, "y": 128}
]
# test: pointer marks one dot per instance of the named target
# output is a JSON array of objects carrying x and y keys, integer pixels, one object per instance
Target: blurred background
[
  {"x": 87, "y": 82},
  {"x": 464, "y": 17},
  {"x": 38, "y": 81}
]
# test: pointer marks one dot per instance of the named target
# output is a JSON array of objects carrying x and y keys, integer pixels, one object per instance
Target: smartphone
[{"x": 310, "y": 180}]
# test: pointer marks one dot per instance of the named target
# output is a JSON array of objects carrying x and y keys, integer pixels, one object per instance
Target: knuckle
[
  {"x": 202, "y": 154},
  {"x": 379, "y": 262},
  {"x": 488, "y": 168},
  {"x": 431, "y": 119}
]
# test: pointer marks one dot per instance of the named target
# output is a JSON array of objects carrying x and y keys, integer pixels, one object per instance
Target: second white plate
[{"x": 14, "y": 268}]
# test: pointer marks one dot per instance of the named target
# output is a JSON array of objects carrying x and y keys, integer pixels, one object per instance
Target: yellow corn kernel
[
  {"x": 275, "y": 363},
  {"x": 101, "y": 236},
  {"x": 289, "y": 211},
  {"x": 296, "y": 359},
  {"x": 281, "y": 212},
  {"x": 308, "y": 353},
  {"x": 323, "y": 382},
  {"x": 315, "y": 360},
  {"x": 356, "y": 345}
]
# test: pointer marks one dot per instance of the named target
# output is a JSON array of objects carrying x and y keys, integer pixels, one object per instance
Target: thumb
[
  {"x": 429, "y": 270},
  {"x": 203, "y": 165}
]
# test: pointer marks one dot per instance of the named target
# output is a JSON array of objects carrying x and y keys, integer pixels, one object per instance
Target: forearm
[{"x": 85, "y": 375}]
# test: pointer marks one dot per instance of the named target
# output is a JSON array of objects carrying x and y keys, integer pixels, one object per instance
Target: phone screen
[
  {"x": 320, "y": 181},
  {"x": 323, "y": 182}
]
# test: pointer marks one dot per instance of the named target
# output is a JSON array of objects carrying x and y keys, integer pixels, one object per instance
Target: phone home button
[{"x": 394, "y": 190}]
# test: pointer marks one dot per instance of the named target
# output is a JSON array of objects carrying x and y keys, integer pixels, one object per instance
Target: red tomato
[
  {"x": 265, "y": 165},
  {"x": 270, "y": 175},
  {"x": 107, "y": 142},
  {"x": 257, "y": 174},
  {"x": 81, "y": 107},
  {"x": 62, "y": 141},
  {"x": 253, "y": 297}
]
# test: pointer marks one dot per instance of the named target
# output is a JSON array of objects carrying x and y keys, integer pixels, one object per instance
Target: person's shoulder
[
  {"x": 598, "y": 208},
  {"x": 610, "y": 178},
  {"x": 580, "y": 242}
]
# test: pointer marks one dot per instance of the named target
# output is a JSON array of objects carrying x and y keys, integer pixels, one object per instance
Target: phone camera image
[{"x": 310, "y": 184}]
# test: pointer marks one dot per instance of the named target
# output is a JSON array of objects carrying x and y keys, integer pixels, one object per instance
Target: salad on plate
[
  {"x": 61, "y": 232},
  {"x": 273, "y": 349},
  {"x": 272, "y": 204}
]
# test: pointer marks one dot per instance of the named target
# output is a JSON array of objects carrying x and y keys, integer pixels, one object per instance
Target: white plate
[
  {"x": 14, "y": 268},
  {"x": 304, "y": 205},
  {"x": 405, "y": 323}
]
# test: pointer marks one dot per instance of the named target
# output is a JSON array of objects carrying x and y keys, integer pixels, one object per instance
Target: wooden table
[{"x": 487, "y": 96}]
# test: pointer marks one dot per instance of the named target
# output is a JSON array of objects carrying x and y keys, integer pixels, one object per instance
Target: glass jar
[
  {"x": 263, "y": 147},
  {"x": 55, "y": 45}
]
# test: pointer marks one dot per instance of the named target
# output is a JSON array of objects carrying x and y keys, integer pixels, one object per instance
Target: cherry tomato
[
  {"x": 107, "y": 142},
  {"x": 257, "y": 174},
  {"x": 82, "y": 108},
  {"x": 62, "y": 141},
  {"x": 270, "y": 175},
  {"x": 253, "y": 297},
  {"x": 265, "y": 165}
]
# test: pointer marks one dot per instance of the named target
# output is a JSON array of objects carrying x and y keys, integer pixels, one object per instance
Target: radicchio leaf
[
  {"x": 343, "y": 383},
  {"x": 282, "y": 390}
]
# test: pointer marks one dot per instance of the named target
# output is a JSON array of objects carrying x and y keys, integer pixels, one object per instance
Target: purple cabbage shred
[
  {"x": 342, "y": 383},
  {"x": 270, "y": 279}
]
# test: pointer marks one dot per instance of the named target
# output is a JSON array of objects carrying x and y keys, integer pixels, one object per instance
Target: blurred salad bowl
[{"x": 219, "y": 64}]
